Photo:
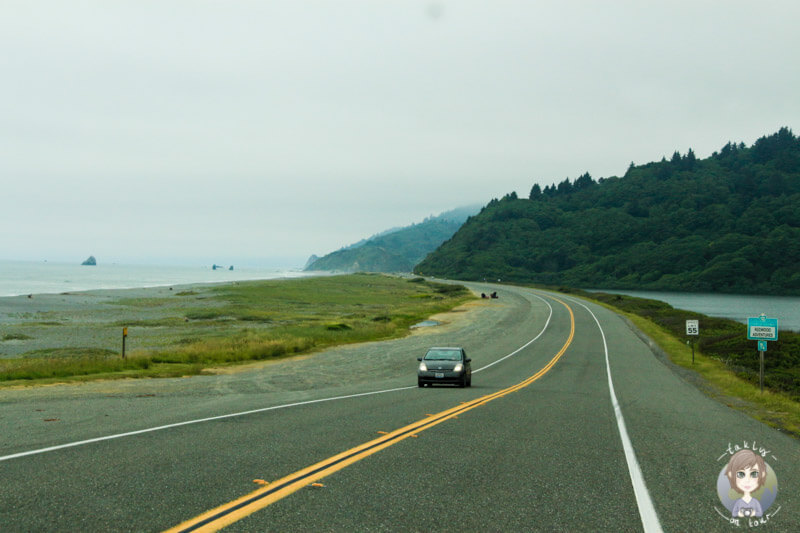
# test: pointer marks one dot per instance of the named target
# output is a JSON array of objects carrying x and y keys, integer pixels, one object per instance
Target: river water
[{"x": 736, "y": 307}]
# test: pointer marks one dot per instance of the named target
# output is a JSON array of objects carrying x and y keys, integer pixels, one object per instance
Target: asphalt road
[{"x": 536, "y": 443}]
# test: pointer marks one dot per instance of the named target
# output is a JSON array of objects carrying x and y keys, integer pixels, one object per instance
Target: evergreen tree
[
  {"x": 565, "y": 187},
  {"x": 584, "y": 182},
  {"x": 690, "y": 161}
]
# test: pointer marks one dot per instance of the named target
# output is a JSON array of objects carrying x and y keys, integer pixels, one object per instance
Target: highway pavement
[{"x": 571, "y": 424}]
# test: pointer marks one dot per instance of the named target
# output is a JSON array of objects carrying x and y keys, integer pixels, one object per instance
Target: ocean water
[
  {"x": 733, "y": 306},
  {"x": 20, "y": 277}
]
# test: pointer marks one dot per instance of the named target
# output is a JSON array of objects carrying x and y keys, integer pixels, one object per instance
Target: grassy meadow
[{"x": 183, "y": 332}]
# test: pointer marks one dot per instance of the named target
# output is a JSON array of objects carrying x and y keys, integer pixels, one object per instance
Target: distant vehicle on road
[{"x": 445, "y": 365}]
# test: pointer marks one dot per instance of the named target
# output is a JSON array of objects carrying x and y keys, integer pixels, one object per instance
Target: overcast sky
[{"x": 269, "y": 130}]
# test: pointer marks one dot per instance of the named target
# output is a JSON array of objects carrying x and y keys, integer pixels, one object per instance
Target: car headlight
[
  {"x": 423, "y": 367},
  {"x": 458, "y": 368}
]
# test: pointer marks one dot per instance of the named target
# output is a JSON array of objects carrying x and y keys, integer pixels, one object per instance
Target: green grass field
[{"x": 235, "y": 323}]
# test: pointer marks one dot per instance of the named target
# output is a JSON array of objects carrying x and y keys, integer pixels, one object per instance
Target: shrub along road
[{"x": 535, "y": 444}]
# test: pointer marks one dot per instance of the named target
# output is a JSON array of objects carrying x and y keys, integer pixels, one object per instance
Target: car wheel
[
  {"x": 469, "y": 381},
  {"x": 420, "y": 383},
  {"x": 463, "y": 382}
]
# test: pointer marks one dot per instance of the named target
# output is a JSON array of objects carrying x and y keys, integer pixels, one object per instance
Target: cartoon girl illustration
[{"x": 746, "y": 472}]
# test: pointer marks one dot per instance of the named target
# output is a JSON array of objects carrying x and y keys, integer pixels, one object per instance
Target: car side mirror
[
  {"x": 469, "y": 360},
  {"x": 419, "y": 358}
]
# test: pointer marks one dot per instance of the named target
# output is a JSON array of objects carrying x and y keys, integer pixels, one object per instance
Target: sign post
[
  {"x": 762, "y": 329},
  {"x": 693, "y": 330},
  {"x": 124, "y": 336}
]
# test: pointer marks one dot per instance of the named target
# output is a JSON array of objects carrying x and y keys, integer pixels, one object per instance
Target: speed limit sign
[{"x": 693, "y": 327}]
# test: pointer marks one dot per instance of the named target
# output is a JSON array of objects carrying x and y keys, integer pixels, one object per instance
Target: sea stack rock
[{"x": 90, "y": 261}]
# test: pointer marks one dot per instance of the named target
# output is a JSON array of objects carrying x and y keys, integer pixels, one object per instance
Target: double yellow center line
[{"x": 226, "y": 514}]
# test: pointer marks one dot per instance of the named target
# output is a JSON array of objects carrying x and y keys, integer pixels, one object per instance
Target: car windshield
[{"x": 443, "y": 355}]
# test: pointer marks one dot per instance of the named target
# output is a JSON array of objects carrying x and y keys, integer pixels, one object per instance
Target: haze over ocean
[{"x": 23, "y": 277}]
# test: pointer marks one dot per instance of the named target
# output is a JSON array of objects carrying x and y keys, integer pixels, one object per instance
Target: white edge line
[
  {"x": 647, "y": 510},
  {"x": 188, "y": 422},
  {"x": 261, "y": 410},
  {"x": 527, "y": 343}
]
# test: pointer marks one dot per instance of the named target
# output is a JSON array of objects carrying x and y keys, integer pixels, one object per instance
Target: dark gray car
[{"x": 445, "y": 365}]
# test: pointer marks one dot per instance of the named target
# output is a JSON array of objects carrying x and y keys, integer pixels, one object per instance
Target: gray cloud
[{"x": 279, "y": 129}]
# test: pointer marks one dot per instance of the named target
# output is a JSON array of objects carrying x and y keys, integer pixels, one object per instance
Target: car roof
[{"x": 445, "y": 348}]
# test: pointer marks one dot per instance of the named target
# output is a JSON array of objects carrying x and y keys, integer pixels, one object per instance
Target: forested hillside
[
  {"x": 728, "y": 223},
  {"x": 396, "y": 250}
]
